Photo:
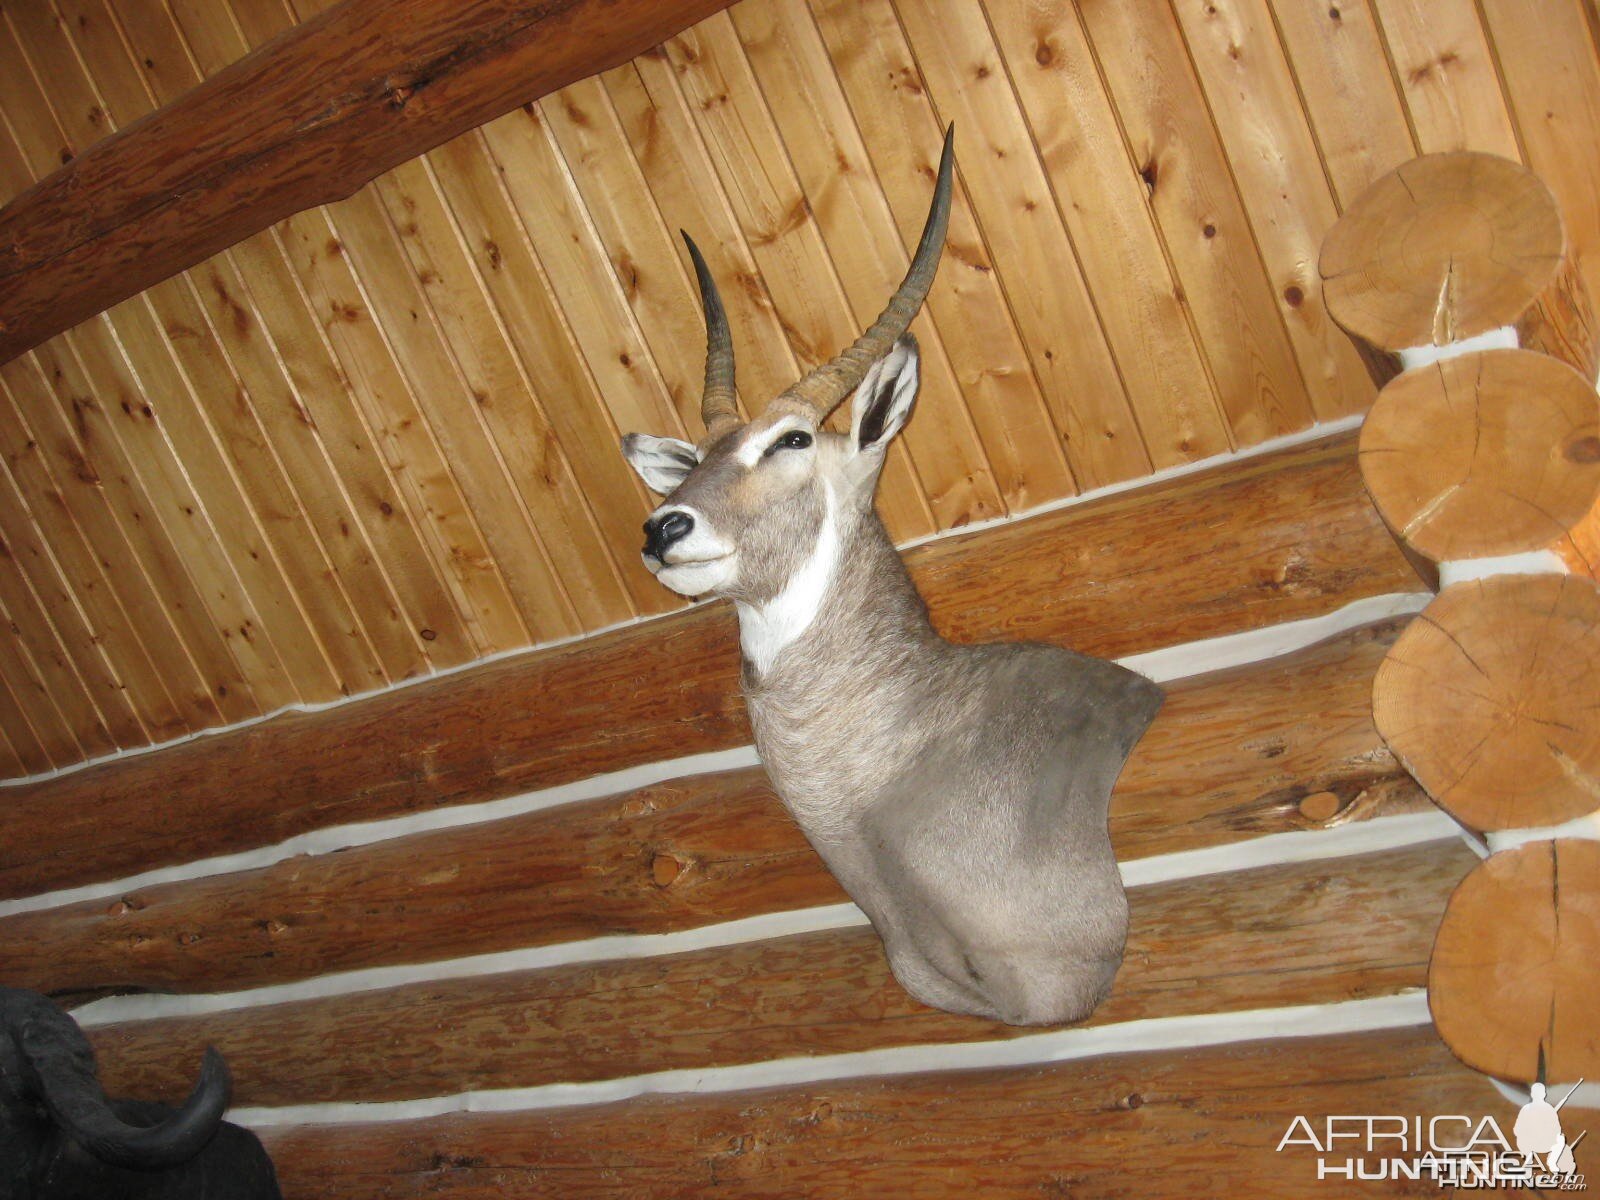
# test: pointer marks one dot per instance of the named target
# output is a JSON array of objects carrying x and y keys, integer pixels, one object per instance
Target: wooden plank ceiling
[{"x": 379, "y": 439}]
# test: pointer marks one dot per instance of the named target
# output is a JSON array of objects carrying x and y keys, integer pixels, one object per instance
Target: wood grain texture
[
  {"x": 1103, "y": 202},
  {"x": 1276, "y": 928},
  {"x": 1284, "y": 745},
  {"x": 524, "y": 156},
  {"x": 1251, "y": 544},
  {"x": 766, "y": 195},
  {"x": 1181, "y": 161},
  {"x": 519, "y": 596},
  {"x": 254, "y": 144},
  {"x": 1514, "y": 980},
  {"x": 791, "y": 65},
  {"x": 1490, "y": 453},
  {"x": 410, "y": 414},
  {"x": 558, "y": 448},
  {"x": 1550, "y": 72},
  {"x": 8, "y": 753},
  {"x": 42, "y": 684},
  {"x": 898, "y": 126},
  {"x": 140, "y": 703},
  {"x": 1010, "y": 191},
  {"x": 1253, "y": 100},
  {"x": 61, "y": 708},
  {"x": 1490, "y": 700},
  {"x": 1449, "y": 246},
  {"x": 73, "y": 676},
  {"x": 130, "y": 360},
  {"x": 78, "y": 429},
  {"x": 1157, "y": 1124},
  {"x": 1445, "y": 66},
  {"x": 1343, "y": 77}
]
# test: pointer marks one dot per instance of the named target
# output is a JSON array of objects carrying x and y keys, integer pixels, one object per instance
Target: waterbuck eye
[{"x": 795, "y": 439}]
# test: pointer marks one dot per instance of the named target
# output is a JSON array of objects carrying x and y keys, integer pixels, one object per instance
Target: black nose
[{"x": 660, "y": 532}]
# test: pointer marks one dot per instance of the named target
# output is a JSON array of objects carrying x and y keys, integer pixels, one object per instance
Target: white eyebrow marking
[{"x": 752, "y": 451}]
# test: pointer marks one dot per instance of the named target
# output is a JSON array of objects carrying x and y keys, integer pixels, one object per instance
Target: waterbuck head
[{"x": 758, "y": 505}]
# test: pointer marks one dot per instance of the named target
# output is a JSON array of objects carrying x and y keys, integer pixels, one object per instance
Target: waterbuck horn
[
  {"x": 718, "y": 409},
  {"x": 826, "y": 387},
  {"x": 63, "y": 1074}
]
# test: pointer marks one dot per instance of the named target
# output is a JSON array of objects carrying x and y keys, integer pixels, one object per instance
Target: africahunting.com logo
[{"x": 1455, "y": 1151}]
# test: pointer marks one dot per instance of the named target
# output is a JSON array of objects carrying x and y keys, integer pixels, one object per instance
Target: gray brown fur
[{"x": 959, "y": 793}]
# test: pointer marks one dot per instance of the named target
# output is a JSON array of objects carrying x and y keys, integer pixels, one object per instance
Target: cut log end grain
[
  {"x": 1496, "y": 452},
  {"x": 1448, "y": 246},
  {"x": 1516, "y": 964},
  {"x": 1491, "y": 699}
]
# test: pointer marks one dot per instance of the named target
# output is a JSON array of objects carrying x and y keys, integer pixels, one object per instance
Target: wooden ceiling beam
[{"x": 304, "y": 120}]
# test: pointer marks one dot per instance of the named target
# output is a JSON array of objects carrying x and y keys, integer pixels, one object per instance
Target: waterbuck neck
[
  {"x": 851, "y": 613},
  {"x": 840, "y": 709}
]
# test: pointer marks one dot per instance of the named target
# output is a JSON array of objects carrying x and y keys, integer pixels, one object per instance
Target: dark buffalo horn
[{"x": 63, "y": 1069}]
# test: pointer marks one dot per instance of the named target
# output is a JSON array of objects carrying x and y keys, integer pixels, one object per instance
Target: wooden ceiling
[{"x": 379, "y": 439}]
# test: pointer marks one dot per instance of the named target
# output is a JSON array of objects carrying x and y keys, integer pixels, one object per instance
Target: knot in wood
[
  {"x": 1320, "y": 806},
  {"x": 665, "y": 869},
  {"x": 1583, "y": 450}
]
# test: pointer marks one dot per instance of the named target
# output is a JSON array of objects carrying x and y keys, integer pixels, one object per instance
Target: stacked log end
[
  {"x": 1490, "y": 453},
  {"x": 1463, "y": 459},
  {"x": 1452, "y": 246},
  {"x": 1489, "y": 700},
  {"x": 1512, "y": 974},
  {"x": 1482, "y": 454}
]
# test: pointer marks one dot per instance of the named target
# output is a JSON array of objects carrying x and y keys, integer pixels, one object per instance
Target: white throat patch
[{"x": 765, "y": 629}]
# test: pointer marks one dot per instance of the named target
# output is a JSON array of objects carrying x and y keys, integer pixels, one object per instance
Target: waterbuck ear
[
  {"x": 883, "y": 402},
  {"x": 663, "y": 463}
]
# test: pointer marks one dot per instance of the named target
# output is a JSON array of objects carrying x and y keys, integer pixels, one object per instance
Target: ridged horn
[
  {"x": 718, "y": 409},
  {"x": 63, "y": 1072},
  {"x": 826, "y": 387}
]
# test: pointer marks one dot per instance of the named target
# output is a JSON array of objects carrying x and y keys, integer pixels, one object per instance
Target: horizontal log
[
  {"x": 305, "y": 120},
  {"x": 1248, "y": 544},
  {"x": 1282, "y": 932},
  {"x": 1175, "y": 1123},
  {"x": 1280, "y": 745}
]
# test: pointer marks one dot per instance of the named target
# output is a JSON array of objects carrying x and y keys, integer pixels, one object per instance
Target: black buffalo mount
[{"x": 61, "y": 1138}]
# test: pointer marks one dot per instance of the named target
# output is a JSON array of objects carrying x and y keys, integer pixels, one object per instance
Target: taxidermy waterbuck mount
[
  {"x": 62, "y": 1139},
  {"x": 959, "y": 793}
]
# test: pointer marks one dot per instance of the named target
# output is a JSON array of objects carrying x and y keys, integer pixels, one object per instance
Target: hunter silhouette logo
[{"x": 1539, "y": 1136}]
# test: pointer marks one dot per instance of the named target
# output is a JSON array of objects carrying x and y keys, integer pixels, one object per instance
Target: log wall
[
  {"x": 378, "y": 439},
  {"x": 1285, "y": 536},
  {"x": 564, "y": 959},
  {"x": 541, "y": 927}
]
